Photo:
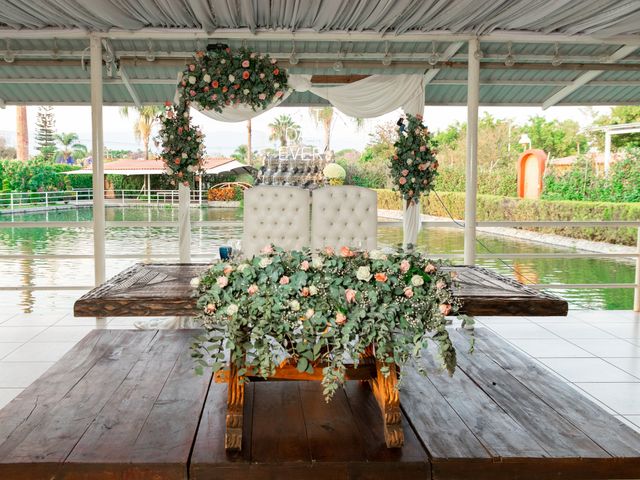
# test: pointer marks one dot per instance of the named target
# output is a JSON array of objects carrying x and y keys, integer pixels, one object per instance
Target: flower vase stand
[{"x": 369, "y": 370}]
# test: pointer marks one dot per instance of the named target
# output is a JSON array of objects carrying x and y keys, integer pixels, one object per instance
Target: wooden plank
[
  {"x": 336, "y": 79},
  {"x": 164, "y": 290},
  {"x": 119, "y": 439},
  {"x": 51, "y": 438},
  {"x": 611, "y": 434}
]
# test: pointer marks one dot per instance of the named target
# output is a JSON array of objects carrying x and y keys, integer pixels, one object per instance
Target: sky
[{"x": 223, "y": 138}]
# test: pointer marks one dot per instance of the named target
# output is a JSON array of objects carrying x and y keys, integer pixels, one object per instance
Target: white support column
[
  {"x": 636, "y": 294},
  {"x": 471, "y": 187},
  {"x": 148, "y": 188},
  {"x": 607, "y": 152},
  {"x": 98, "y": 160}
]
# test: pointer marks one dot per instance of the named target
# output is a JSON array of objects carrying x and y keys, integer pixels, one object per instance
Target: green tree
[
  {"x": 323, "y": 116},
  {"x": 619, "y": 115},
  {"x": 283, "y": 129},
  {"x": 143, "y": 125},
  {"x": 557, "y": 139},
  {"x": 45, "y": 132},
  {"x": 70, "y": 146}
]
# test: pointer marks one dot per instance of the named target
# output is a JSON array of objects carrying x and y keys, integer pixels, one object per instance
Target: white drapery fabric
[{"x": 184, "y": 223}]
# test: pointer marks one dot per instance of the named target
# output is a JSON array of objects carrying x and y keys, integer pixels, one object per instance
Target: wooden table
[
  {"x": 158, "y": 290},
  {"x": 126, "y": 404}
]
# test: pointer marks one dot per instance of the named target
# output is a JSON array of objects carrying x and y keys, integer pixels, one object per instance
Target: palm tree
[
  {"x": 143, "y": 126},
  {"x": 283, "y": 129},
  {"x": 323, "y": 116},
  {"x": 70, "y": 146},
  {"x": 240, "y": 153}
]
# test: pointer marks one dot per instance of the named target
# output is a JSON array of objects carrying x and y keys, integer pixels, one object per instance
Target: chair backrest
[
  {"x": 275, "y": 215},
  {"x": 344, "y": 216}
]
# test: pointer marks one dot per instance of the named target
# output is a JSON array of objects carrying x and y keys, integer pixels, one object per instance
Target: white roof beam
[
  {"x": 449, "y": 52},
  {"x": 123, "y": 74},
  {"x": 587, "y": 77}
]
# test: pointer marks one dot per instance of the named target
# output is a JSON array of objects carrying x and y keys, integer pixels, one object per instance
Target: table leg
[
  {"x": 385, "y": 389},
  {"x": 235, "y": 410}
]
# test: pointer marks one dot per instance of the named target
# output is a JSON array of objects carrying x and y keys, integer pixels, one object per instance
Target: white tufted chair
[
  {"x": 275, "y": 215},
  {"x": 344, "y": 216}
]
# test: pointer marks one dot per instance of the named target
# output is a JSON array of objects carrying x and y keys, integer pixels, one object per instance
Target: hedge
[{"x": 496, "y": 208}]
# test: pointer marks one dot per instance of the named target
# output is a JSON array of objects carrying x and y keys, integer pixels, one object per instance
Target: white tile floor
[{"x": 597, "y": 352}]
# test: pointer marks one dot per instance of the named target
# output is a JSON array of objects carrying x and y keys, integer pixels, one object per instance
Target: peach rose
[
  {"x": 341, "y": 318},
  {"x": 441, "y": 284},
  {"x": 329, "y": 251},
  {"x": 408, "y": 292},
  {"x": 404, "y": 266},
  {"x": 445, "y": 309},
  {"x": 430, "y": 268},
  {"x": 210, "y": 308},
  {"x": 346, "y": 252},
  {"x": 304, "y": 266},
  {"x": 350, "y": 295},
  {"x": 284, "y": 280},
  {"x": 227, "y": 269},
  {"x": 402, "y": 180},
  {"x": 252, "y": 289},
  {"x": 222, "y": 281},
  {"x": 305, "y": 292},
  {"x": 267, "y": 249},
  {"x": 405, "y": 172},
  {"x": 380, "y": 277}
]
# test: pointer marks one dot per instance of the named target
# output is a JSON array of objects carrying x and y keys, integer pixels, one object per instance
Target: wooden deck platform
[
  {"x": 162, "y": 289},
  {"x": 126, "y": 404}
]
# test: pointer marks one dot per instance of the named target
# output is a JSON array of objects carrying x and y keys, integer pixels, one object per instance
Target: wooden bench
[{"x": 126, "y": 404}]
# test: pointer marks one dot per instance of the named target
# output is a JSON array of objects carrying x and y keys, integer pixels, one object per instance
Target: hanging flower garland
[
  {"x": 414, "y": 166},
  {"x": 220, "y": 78},
  {"x": 182, "y": 143}
]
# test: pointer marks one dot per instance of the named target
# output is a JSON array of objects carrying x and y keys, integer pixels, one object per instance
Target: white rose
[
  {"x": 195, "y": 282},
  {"x": 168, "y": 171},
  {"x": 231, "y": 78},
  {"x": 317, "y": 261},
  {"x": 184, "y": 155},
  {"x": 223, "y": 61},
  {"x": 310, "y": 313},
  {"x": 294, "y": 305},
  {"x": 377, "y": 255},
  {"x": 207, "y": 77},
  {"x": 190, "y": 168},
  {"x": 363, "y": 273},
  {"x": 192, "y": 79},
  {"x": 409, "y": 162},
  {"x": 417, "y": 280},
  {"x": 232, "y": 309},
  {"x": 242, "y": 267},
  {"x": 276, "y": 85},
  {"x": 265, "y": 262},
  {"x": 313, "y": 290},
  {"x": 185, "y": 114}
]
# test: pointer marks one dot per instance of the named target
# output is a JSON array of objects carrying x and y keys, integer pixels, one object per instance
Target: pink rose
[
  {"x": 222, "y": 281},
  {"x": 422, "y": 167},
  {"x": 402, "y": 180},
  {"x": 350, "y": 295},
  {"x": 192, "y": 67},
  {"x": 305, "y": 292},
  {"x": 340, "y": 318},
  {"x": 210, "y": 308},
  {"x": 284, "y": 280},
  {"x": 245, "y": 64},
  {"x": 252, "y": 289},
  {"x": 405, "y": 172},
  {"x": 279, "y": 93},
  {"x": 419, "y": 116},
  {"x": 329, "y": 251},
  {"x": 441, "y": 284},
  {"x": 262, "y": 96},
  {"x": 304, "y": 266},
  {"x": 192, "y": 93},
  {"x": 261, "y": 76},
  {"x": 408, "y": 292},
  {"x": 445, "y": 309},
  {"x": 227, "y": 269},
  {"x": 430, "y": 268},
  {"x": 267, "y": 249},
  {"x": 404, "y": 266},
  {"x": 395, "y": 157},
  {"x": 423, "y": 148},
  {"x": 346, "y": 252}
]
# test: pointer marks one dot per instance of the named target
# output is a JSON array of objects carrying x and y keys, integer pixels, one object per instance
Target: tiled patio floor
[{"x": 598, "y": 352}]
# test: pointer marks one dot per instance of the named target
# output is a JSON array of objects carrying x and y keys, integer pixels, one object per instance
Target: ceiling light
[
  {"x": 435, "y": 56},
  {"x": 9, "y": 56},
  {"x": 150, "y": 56},
  {"x": 509, "y": 60},
  {"x": 556, "y": 61},
  {"x": 293, "y": 58},
  {"x": 338, "y": 65},
  {"x": 386, "y": 60},
  {"x": 55, "y": 53},
  {"x": 478, "y": 54}
]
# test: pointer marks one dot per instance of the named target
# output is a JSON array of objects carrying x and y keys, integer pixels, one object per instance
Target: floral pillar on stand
[{"x": 414, "y": 169}]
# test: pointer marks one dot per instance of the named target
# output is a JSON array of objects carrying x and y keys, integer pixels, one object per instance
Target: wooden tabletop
[
  {"x": 126, "y": 404},
  {"x": 157, "y": 290}
]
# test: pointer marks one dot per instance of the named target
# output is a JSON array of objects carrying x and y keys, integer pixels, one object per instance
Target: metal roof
[{"x": 594, "y": 46}]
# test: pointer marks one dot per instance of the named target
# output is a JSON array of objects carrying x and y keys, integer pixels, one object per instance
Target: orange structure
[{"x": 530, "y": 167}]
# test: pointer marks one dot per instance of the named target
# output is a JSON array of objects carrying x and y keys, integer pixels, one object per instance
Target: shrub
[
  {"x": 496, "y": 181},
  {"x": 224, "y": 194},
  {"x": 491, "y": 207}
]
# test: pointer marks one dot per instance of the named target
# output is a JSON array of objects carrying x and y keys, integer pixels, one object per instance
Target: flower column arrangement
[{"x": 414, "y": 168}]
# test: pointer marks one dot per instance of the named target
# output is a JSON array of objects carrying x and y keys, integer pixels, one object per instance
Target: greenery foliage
[
  {"x": 492, "y": 207},
  {"x": 45, "y": 132},
  {"x": 582, "y": 182},
  {"x": 219, "y": 78},
  {"x": 320, "y": 310}
]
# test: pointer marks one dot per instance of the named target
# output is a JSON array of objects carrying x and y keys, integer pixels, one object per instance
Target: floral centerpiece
[
  {"x": 318, "y": 310},
  {"x": 220, "y": 77},
  {"x": 182, "y": 143},
  {"x": 414, "y": 166},
  {"x": 335, "y": 173}
]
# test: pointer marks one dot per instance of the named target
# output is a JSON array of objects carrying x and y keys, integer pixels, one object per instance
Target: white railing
[
  {"x": 447, "y": 224},
  {"x": 27, "y": 200}
]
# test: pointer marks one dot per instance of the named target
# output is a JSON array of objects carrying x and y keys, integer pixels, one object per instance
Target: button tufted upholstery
[
  {"x": 344, "y": 216},
  {"x": 277, "y": 215}
]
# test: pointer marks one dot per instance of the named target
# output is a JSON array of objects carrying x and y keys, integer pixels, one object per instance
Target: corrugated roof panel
[{"x": 600, "y": 95}]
